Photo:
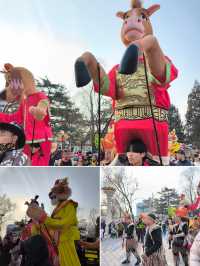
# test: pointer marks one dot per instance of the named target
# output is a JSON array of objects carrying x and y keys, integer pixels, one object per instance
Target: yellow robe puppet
[{"x": 60, "y": 230}]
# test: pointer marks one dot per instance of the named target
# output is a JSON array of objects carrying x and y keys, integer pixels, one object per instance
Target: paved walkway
[{"x": 112, "y": 253}]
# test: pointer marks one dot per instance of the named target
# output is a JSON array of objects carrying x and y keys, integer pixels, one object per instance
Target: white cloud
[{"x": 18, "y": 214}]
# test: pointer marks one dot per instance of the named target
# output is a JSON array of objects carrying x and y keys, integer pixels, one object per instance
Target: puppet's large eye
[
  {"x": 126, "y": 16},
  {"x": 142, "y": 17}
]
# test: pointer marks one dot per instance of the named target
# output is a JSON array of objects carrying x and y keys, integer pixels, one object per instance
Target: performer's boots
[
  {"x": 129, "y": 61},
  {"x": 138, "y": 260},
  {"x": 127, "y": 260},
  {"x": 82, "y": 75}
]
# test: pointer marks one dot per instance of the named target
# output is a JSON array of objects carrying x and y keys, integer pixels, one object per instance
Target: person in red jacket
[
  {"x": 33, "y": 114},
  {"x": 136, "y": 107}
]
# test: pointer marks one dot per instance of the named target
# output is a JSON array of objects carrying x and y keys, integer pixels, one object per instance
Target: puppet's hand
[
  {"x": 36, "y": 213},
  {"x": 147, "y": 43},
  {"x": 88, "y": 58},
  {"x": 37, "y": 112},
  {"x": 86, "y": 68}
]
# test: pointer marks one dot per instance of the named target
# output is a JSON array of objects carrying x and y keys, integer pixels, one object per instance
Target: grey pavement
[{"x": 112, "y": 253}]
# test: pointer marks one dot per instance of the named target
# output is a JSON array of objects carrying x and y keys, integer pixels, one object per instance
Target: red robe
[
  {"x": 40, "y": 133},
  {"x": 133, "y": 119}
]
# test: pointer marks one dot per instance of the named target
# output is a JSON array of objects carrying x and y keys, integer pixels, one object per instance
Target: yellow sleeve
[
  {"x": 68, "y": 219},
  {"x": 35, "y": 230}
]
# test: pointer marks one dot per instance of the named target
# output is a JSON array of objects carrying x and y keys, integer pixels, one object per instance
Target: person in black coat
[
  {"x": 153, "y": 250},
  {"x": 130, "y": 242},
  {"x": 179, "y": 243},
  {"x": 35, "y": 252}
]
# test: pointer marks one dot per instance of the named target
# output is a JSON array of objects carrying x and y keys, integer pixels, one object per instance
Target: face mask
[{"x": 6, "y": 147}]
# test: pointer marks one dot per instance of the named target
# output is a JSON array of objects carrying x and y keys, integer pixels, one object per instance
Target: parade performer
[
  {"x": 179, "y": 243},
  {"x": 153, "y": 247},
  {"x": 60, "y": 229},
  {"x": 130, "y": 242},
  {"x": 33, "y": 114},
  {"x": 138, "y": 86}
]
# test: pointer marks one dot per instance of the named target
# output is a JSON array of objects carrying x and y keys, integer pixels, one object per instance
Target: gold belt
[{"x": 142, "y": 112}]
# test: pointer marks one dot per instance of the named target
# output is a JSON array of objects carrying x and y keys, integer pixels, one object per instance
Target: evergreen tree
[
  {"x": 193, "y": 116},
  {"x": 64, "y": 114},
  {"x": 167, "y": 198},
  {"x": 176, "y": 123}
]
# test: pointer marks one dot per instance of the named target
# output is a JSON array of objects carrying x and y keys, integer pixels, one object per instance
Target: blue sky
[{"x": 47, "y": 36}]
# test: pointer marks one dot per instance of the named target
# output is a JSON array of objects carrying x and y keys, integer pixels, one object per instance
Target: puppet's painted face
[
  {"x": 133, "y": 27},
  {"x": 16, "y": 88},
  {"x": 13, "y": 89},
  {"x": 60, "y": 192},
  {"x": 21, "y": 79},
  {"x": 136, "y": 23},
  {"x": 53, "y": 198}
]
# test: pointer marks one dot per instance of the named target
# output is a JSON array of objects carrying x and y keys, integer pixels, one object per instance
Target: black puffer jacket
[
  {"x": 153, "y": 240},
  {"x": 35, "y": 252}
]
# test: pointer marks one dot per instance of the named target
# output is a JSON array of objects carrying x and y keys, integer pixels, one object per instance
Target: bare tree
[
  {"x": 126, "y": 187},
  {"x": 190, "y": 180},
  {"x": 93, "y": 216},
  {"x": 6, "y": 208},
  {"x": 90, "y": 103}
]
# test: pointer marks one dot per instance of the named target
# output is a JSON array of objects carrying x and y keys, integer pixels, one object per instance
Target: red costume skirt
[{"x": 128, "y": 130}]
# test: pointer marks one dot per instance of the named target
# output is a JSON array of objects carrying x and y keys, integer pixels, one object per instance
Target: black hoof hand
[
  {"x": 129, "y": 61},
  {"x": 82, "y": 75}
]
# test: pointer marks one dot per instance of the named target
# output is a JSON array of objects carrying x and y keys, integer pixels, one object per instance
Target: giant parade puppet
[
  {"x": 33, "y": 113},
  {"x": 138, "y": 86},
  {"x": 61, "y": 228}
]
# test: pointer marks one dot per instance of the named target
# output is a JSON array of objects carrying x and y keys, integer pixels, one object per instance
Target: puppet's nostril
[{"x": 139, "y": 20}]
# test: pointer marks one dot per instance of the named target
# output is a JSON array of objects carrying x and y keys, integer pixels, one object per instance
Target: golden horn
[{"x": 136, "y": 3}]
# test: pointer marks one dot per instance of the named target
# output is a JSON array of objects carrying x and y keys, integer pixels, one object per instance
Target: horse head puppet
[{"x": 136, "y": 22}]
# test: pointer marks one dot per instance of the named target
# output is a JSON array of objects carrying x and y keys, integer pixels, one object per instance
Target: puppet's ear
[
  {"x": 152, "y": 9},
  {"x": 120, "y": 14},
  {"x": 8, "y": 67}
]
